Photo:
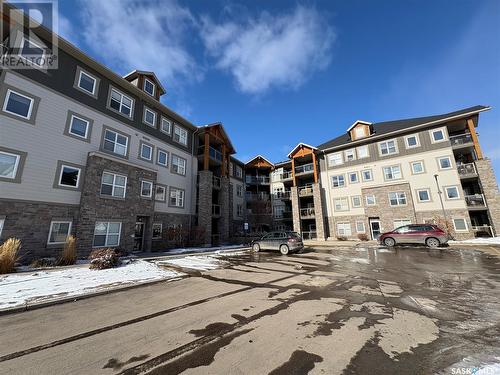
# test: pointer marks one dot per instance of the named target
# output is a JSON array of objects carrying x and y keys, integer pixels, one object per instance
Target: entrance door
[
  {"x": 375, "y": 229},
  {"x": 138, "y": 236}
]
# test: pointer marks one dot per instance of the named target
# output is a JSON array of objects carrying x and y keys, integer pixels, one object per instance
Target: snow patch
[
  {"x": 200, "y": 263},
  {"x": 480, "y": 240}
]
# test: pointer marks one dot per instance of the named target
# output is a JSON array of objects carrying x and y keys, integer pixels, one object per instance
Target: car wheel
[
  {"x": 390, "y": 242},
  {"x": 432, "y": 242},
  {"x": 284, "y": 249},
  {"x": 256, "y": 247}
]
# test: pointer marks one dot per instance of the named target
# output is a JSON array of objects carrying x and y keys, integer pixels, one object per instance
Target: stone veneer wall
[
  {"x": 294, "y": 194},
  {"x": 332, "y": 225},
  {"x": 30, "y": 222},
  {"x": 168, "y": 220},
  {"x": 490, "y": 190},
  {"x": 225, "y": 210},
  {"x": 94, "y": 207},
  {"x": 319, "y": 213},
  {"x": 205, "y": 204}
]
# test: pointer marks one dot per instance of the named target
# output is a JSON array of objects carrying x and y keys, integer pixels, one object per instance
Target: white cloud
[
  {"x": 270, "y": 51},
  {"x": 141, "y": 35}
]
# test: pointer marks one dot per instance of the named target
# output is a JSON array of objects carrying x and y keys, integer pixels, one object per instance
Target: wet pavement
[{"x": 330, "y": 311}]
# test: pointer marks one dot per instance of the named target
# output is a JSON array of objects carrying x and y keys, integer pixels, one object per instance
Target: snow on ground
[
  {"x": 480, "y": 240},
  {"x": 31, "y": 287},
  {"x": 201, "y": 263},
  {"x": 202, "y": 249}
]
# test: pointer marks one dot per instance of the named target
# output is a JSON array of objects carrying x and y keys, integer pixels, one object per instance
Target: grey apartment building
[{"x": 87, "y": 152}]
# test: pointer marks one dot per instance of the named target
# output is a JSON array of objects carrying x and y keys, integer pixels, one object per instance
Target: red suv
[{"x": 425, "y": 234}]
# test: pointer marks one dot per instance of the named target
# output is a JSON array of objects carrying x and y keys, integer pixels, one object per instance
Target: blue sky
[{"x": 280, "y": 72}]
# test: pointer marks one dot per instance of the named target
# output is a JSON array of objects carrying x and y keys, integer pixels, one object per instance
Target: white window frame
[
  {"x": 443, "y": 130},
  {"x": 357, "y": 227},
  {"x": 363, "y": 175},
  {"x": 179, "y": 196},
  {"x": 391, "y": 167},
  {"x": 153, "y": 230},
  {"x": 442, "y": 158},
  {"x": 144, "y": 182},
  {"x": 182, "y": 134},
  {"x": 89, "y": 76},
  {"x": 239, "y": 191},
  {"x": 114, "y": 185},
  {"x": 175, "y": 165},
  {"x": 399, "y": 197},
  {"x": 365, "y": 147},
  {"x": 239, "y": 210},
  {"x": 337, "y": 161},
  {"x": 77, "y": 179},
  {"x": 6, "y": 101},
  {"x": 341, "y": 229},
  {"x": 239, "y": 171},
  {"x": 146, "y": 110},
  {"x": 31, "y": 61},
  {"x": 106, "y": 244},
  {"x": 452, "y": 187},
  {"x": 455, "y": 226},
  {"x": 59, "y": 222},
  {"x": 350, "y": 152},
  {"x": 417, "y": 140},
  {"x": 166, "y": 120},
  {"x": 428, "y": 195},
  {"x": 115, "y": 142},
  {"x": 152, "y": 84},
  {"x": 359, "y": 132},
  {"x": 122, "y": 96},
  {"x": 349, "y": 177},
  {"x": 164, "y": 188},
  {"x": 16, "y": 165},
  {"x": 150, "y": 154},
  {"x": 344, "y": 204},
  {"x": 338, "y": 177},
  {"x": 374, "y": 200},
  {"x": 158, "y": 152},
  {"x": 421, "y": 162},
  {"x": 360, "y": 201},
  {"x": 86, "y": 128},
  {"x": 2, "y": 223},
  {"x": 386, "y": 143}
]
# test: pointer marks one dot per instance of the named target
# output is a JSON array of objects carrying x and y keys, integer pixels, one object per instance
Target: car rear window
[{"x": 294, "y": 234}]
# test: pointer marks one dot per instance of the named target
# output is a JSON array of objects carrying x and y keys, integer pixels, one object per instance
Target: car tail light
[{"x": 292, "y": 240}]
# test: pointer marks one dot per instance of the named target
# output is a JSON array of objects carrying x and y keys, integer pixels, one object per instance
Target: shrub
[
  {"x": 341, "y": 238},
  {"x": 8, "y": 255},
  {"x": 104, "y": 258},
  {"x": 43, "y": 263},
  {"x": 68, "y": 255},
  {"x": 363, "y": 237}
]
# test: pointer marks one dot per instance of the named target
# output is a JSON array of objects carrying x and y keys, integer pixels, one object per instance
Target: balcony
[
  {"x": 215, "y": 210},
  {"x": 311, "y": 235},
  {"x": 475, "y": 201},
  {"x": 284, "y": 215},
  {"x": 285, "y": 176},
  {"x": 482, "y": 230},
  {"x": 467, "y": 170},
  {"x": 257, "y": 180},
  {"x": 306, "y": 191},
  {"x": 283, "y": 195},
  {"x": 304, "y": 169},
  {"x": 216, "y": 182},
  {"x": 306, "y": 213},
  {"x": 461, "y": 140},
  {"x": 212, "y": 153},
  {"x": 257, "y": 196}
]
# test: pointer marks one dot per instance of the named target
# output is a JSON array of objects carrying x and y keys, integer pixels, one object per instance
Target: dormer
[
  {"x": 360, "y": 129},
  {"x": 147, "y": 82}
]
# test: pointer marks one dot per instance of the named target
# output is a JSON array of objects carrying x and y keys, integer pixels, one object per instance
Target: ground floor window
[
  {"x": 107, "y": 233},
  {"x": 360, "y": 227},
  {"x": 460, "y": 225},
  {"x": 344, "y": 229},
  {"x": 59, "y": 231},
  {"x": 157, "y": 230},
  {"x": 401, "y": 222}
]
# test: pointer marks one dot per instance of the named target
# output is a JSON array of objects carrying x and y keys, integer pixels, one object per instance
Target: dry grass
[
  {"x": 8, "y": 255},
  {"x": 68, "y": 255}
]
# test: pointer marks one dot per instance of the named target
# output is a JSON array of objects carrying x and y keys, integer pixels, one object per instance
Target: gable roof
[
  {"x": 388, "y": 127},
  {"x": 299, "y": 145},
  {"x": 219, "y": 126},
  {"x": 358, "y": 122},
  {"x": 261, "y": 157},
  {"x": 134, "y": 73}
]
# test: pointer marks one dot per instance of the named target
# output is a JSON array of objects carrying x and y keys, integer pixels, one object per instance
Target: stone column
[
  {"x": 225, "y": 209},
  {"x": 294, "y": 194},
  {"x": 318, "y": 211},
  {"x": 490, "y": 190},
  {"x": 205, "y": 204}
]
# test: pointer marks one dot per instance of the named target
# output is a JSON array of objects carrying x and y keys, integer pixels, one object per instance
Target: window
[
  {"x": 360, "y": 227},
  {"x": 166, "y": 125},
  {"x": 452, "y": 192},
  {"x": 356, "y": 201},
  {"x": 370, "y": 200},
  {"x": 335, "y": 159},
  {"x": 445, "y": 162},
  {"x": 79, "y": 127},
  {"x": 424, "y": 195},
  {"x": 107, "y": 233},
  {"x": 231, "y": 169},
  {"x": 86, "y": 82},
  {"x": 239, "y": 190},
  {"x": 162, "y": 158},
  {"x": 18, "y": 104},
  {"x": 9, "y": 164},
  {"x": 146, "y": 152},
  {"x": 149, "y": 87},
  {"x": 146, "y": 189},
  {"x": 2, "y": 223},
  {"x": 460, "y": 225},
  {"x": 397, "y": 198},
  {"x": 115, "y": 143},
  {"x": 412, "y": 141},
  {"x": 359, "y": 132},
  {"x": 350, "y": 155},
  {"x": 59, "y": 231},
  {"x": 32, "y": 52},
  {"x": 363, "y": 152},
  {"x": 69, "y": 176},
  {"x": 178, "y": 165},
  {"x": 438, "y": 135},
  {"x": 149, "y": 117},
  {"x": 388, "y": 147},
  {"x": 180, "y": 135},
  {"x": 176, "y": 197},
  {"x": 417, "y": 167},
  {"x": 160, "y": 193},
  {"x": 392, "y": 172},
  {"x": 367, "y": 175},
  {"x": 239, "y": 171},
  {"x": 157, "y": 230},
  {"x": 338, "y": 181},
  {"x": 341, "y": 204},
  {"x": 239, "y": 210},
  {"x": 113, "y": 185},
  {"x": 353, "y": 177},
  {"x": 401, "y": 223},
  {"x": 344, "y": 229},
  {"x": 121, "y": 103}
]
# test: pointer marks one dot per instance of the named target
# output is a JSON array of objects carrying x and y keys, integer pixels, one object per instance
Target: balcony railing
[
  {"x": 282, "y": 194},
  {"x": 257, "y": 180},
  {"x": 483, "y": 229},
  {"x": 467, "y": 170},
  {"x": 306, "y": 168},
  {"x": 215, "y": 210},
  {"x": 475, "y": 200},
  {"x": 305, "y": 191},
  {"x": 257, "y": 196},
  {"x": 307, "y": 212},
  {"x": 461, "y": 139},
  {"x": 311, "y": 235},
  {"x": 282, "y": 215},
  {"x": 212, "y": 153},
  {"x": 216, "y": 182}
]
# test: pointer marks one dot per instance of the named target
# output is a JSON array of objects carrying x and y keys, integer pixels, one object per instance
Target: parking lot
[{"x": 325, "y": 311}]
